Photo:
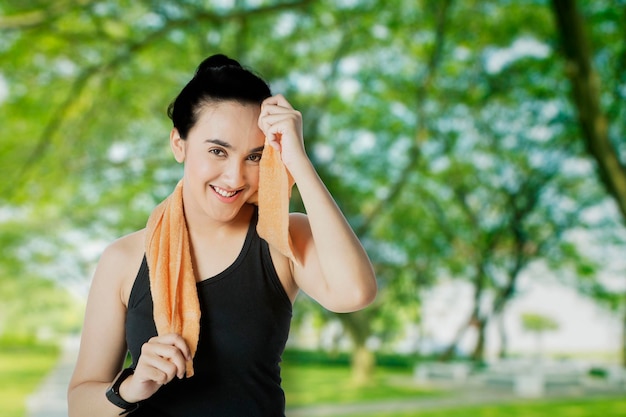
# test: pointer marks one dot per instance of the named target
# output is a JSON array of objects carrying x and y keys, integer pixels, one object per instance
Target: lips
[{"x": 225, "y": 193}]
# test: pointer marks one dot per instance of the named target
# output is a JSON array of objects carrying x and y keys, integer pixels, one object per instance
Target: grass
[
  {"x": 605, "y": 407},
  {"x": 308, "y": 384},
  {"x": 316, "y": 384},
  {"x": 23, "y": 365}
]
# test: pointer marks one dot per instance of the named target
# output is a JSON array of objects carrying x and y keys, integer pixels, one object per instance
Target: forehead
[
  {"x": 229, "y": 121},
  {"x": 228, "y": 110}
]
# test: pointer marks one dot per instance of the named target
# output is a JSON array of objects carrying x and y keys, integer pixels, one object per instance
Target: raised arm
[{"x": 334, "y": 269}]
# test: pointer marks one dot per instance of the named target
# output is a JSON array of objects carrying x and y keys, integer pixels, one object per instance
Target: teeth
[{"x": 224, "y": 193}]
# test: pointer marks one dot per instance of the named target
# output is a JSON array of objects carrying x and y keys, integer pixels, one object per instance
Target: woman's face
[{"x": 221, "y": 155}]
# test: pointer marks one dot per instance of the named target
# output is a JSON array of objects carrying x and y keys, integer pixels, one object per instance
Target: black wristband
[{"x": 113, "y": 393}]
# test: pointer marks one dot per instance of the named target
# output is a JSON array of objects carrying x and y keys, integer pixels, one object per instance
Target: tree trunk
[
  {"x": 450, "y": 352},
  {"x": 474, "y": 318},
  {"x": 586, "y": 96},
  {"x": 504, "y": 340},
  {"x": 357, "y": 325},
  {"x": 478, "y": 355},
  {"x": 624, "y": 341},
  {"x": 363, "y": 362}
]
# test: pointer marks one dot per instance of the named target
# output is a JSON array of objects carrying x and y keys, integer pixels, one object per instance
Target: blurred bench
[
  {"x": 454, "y": 372},
  {"x": 531, "y": 379}
]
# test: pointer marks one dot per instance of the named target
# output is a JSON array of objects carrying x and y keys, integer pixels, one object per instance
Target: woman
[{"x": 245, "y": 287}]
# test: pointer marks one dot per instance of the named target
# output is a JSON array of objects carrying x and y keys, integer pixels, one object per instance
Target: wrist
[
  {"x": 114, "y": 395},
  {"x": 301, "y": 170}
]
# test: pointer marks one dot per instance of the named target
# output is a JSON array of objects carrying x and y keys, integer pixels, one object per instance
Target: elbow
[
  {"x": 366, "y": 296},
  {"x": 357, "y": 299},
  {"x": 367, "y": 291},
  {"x": 71, "y": 400}
]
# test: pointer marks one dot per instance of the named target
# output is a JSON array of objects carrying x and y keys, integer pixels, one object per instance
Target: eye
[
  {"x": 255, "y": 157},
  {"x": 217, "y": 152}
]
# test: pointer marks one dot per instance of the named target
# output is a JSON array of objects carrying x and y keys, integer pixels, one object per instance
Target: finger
[
  {"x": 290, "y": 116},
  {"x": 272, "y": 127},
  {"x": 280, "y": 123},
  {"x": 158, "y": 370},
  {"x": 173, "y": 339},
  {"x": 274, "y": 109},
  {"x": 173, "y": 355},
  {"x": 276, "y": 100},
  {"x": 156, "y": 354}
]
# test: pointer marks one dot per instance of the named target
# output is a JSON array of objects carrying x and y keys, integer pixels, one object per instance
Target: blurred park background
[{"x": 477, "y": 148}]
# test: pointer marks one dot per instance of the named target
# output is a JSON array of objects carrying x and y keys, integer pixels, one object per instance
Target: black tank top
[{"x": 245, "y": 321}]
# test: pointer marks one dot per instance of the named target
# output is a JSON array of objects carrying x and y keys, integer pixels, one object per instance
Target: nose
[{"x": 234, "y": 174}]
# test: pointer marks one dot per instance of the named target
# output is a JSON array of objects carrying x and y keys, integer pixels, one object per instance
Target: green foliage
[
  {"x": 23, "y": 364},
  {"x": 322, "y": 357},
  {"x": 538, "y": 323},
  {"x": 32, "y": 305},
  {"x": 443, "y": 129}
]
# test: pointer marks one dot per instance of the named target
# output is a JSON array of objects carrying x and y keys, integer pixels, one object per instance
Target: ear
[{"x": 177, "y": 144}]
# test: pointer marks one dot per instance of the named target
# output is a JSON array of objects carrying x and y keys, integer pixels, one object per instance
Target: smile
[{"x": 223, "y": 192}]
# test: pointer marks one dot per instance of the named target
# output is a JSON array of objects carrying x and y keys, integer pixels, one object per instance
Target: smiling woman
[
  {"x": 221, "y": 155},
  {"x": 213, "y": 347}
]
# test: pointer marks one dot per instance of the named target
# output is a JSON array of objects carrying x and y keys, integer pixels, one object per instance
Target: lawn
[
  {"x": 23, "y": 365},
  {"x": 311, "y": 384},
  {"x": 331, "y": 384},
  {"x": 598, "y": 407}
]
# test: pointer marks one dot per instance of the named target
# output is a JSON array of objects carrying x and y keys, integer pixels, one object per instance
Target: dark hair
[{"x": 217, "y": 78}]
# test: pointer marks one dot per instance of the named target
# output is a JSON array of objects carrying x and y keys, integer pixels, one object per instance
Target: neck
[{"x": 202, "y": 225}]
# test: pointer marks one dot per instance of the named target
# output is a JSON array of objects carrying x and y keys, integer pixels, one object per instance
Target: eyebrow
[
  {"x": 259, "y": 149},
  {"x": 219, "y": 142},
  {"x": 229, "y": 146}
]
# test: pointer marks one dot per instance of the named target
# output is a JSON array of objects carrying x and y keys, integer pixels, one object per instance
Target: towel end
[{"x": 189, "y": 369}]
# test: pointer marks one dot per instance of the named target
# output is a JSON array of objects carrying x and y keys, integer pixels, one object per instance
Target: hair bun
[{"x": 217, "y": 61}]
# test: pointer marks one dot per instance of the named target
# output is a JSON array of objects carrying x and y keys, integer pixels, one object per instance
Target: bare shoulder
[
  {"x": 124, "y": 251},
  {"x": 126, "y": 246},
  {"x": 120, "y": 262}
]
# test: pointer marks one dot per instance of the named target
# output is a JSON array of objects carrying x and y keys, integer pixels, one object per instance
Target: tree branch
[
  {"x": 57, "y": 118},
  {"x": 414, "y": 152},
  {"x": 33, "y": 18},
  {"x": 586, "y": 97}
]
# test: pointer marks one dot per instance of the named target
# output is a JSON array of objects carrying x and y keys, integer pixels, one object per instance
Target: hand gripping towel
[
  {"x": 172, "y": 281},
  {"x": 176, "y": 307}
]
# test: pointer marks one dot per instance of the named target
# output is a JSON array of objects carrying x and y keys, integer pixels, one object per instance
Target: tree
[
  {"x": 538, "y": 324},
  {"x": 402, "y": 103},
  {"x": 600, "y": 129}
]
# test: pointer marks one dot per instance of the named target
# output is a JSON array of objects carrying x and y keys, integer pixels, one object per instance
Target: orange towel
[
  {"x": 172, "y": 281},
  {"x": 275, "y": 184},
  {"x": 176, "y": 307}
]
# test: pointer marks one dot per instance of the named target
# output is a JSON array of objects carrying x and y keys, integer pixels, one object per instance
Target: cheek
[
  {"x": 253, "y": 176},
  {"x": 200, "y": 165},
  {"x": 199, "y": 168}
]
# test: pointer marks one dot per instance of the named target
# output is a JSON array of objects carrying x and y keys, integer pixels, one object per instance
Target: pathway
[{"x": 50, "y": 400}]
